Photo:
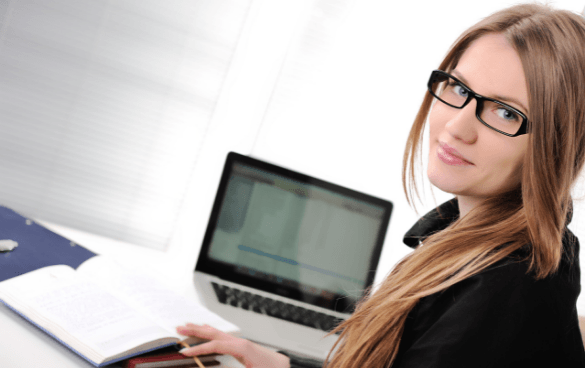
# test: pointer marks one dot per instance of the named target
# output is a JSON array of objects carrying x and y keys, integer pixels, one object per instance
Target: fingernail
[{"x": 182, "y": 350}]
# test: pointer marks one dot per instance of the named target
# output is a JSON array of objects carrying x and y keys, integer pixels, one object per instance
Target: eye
[
  {"x": 507, "y": 114},
  {"x": 459, "y": 90}
]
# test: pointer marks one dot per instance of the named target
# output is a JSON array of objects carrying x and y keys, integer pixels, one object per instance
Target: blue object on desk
[{"x": 37, "y": 246}]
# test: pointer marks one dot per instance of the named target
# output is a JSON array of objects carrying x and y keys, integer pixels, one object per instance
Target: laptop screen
[{"x": 295, "y": 235}]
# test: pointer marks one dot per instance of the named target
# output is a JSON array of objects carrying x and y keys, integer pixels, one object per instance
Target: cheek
[
  {"x": 436, "y": 120},
  {"x": 508, "y": 171},
  {"x": 515, "y": 171},
  {"x": 518, "y": 148}
]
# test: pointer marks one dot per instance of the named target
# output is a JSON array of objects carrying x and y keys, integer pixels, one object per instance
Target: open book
[{"x": 102, "y": 311}]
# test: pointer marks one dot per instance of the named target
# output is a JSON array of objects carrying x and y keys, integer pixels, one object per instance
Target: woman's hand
[{"x": 248, "y": 353}]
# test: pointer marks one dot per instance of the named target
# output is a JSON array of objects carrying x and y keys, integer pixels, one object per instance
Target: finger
[
  {"x": 187, "y": 331},
  {"x": 192, "y": 325},
  {"x": 212, "y": 347},
  {"x": 205, "y": 332},
  {"x": 191, "y": 330}
]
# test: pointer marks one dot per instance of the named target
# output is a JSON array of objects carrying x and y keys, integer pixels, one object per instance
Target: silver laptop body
[{"x": 286, "y": 256}]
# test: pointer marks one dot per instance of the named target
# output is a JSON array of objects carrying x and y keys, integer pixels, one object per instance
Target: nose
[{"x": 463, "y": 123}]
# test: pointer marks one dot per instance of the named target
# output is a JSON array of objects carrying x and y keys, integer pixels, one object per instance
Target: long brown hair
[{"x": 551, "y": 46}]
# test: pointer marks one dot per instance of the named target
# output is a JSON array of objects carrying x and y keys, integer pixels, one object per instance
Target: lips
[{"x": 450, "y": 156}]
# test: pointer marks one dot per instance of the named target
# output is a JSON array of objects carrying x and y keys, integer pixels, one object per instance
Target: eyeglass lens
[{"x": 497, "y": 115}]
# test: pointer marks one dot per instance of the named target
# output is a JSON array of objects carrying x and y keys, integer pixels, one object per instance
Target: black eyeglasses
[{"x": 494, "y": 114}]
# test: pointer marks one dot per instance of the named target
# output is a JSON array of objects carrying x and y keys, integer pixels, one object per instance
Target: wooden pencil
[{"x": 185, "y": 345}]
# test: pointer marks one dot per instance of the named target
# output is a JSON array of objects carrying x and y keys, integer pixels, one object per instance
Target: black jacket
[{"x": 501, "y": 317}]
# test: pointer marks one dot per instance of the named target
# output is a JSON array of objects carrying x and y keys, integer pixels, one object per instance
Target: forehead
[{"x": 492, "y": 67}]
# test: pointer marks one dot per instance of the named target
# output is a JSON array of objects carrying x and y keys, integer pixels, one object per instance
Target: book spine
[{"x": 136, "y": 353}]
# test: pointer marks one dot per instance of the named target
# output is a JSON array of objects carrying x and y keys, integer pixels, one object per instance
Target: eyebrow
[{"x": 497, "y": 97}]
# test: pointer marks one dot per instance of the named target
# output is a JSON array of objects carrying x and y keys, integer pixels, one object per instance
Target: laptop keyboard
[{"x": 274, "y": 308}]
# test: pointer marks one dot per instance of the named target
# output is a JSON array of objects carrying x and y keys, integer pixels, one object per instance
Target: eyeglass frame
[{"x": 479, "y": 107}]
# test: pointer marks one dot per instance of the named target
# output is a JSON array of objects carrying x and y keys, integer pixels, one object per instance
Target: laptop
[{"x": 286, "y": 256}]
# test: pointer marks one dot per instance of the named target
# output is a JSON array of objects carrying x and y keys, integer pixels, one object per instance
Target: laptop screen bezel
[{"x": 230, "y": 273}]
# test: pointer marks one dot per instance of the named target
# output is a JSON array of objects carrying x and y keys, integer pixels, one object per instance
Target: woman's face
[{"x": 467, "y": 158}]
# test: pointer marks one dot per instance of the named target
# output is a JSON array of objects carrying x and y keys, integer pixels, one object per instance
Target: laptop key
[
  {"x": 220, "y": 292},
  {"x": 247, "y": 296},
  {"x": 257, "y": 299},
  {"x": 305, "y": 320},
  {"x": 233, "y": 302},
  {"x": 255, "y": 308},
  {"x": 273, "y": 312}
]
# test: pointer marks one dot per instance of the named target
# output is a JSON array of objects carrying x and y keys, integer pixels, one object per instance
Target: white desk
[{"x": 22, "y": 345}]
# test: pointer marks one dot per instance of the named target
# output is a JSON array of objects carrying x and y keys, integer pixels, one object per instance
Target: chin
[{"x": 446, "y": 181}]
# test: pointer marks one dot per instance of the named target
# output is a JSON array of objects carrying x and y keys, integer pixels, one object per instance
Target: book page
[
  {"x": 72, "y": 308},
  {"x": 145, "y": 294}
]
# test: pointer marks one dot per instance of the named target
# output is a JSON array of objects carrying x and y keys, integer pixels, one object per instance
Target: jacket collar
[
  {"x": 434, "y": 221},
  {"x": 441, "y": 217}
]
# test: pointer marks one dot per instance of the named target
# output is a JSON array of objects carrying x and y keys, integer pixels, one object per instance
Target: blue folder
[
  {"x": 40, "y": 247},
  {"x": 37, "y": 246}
]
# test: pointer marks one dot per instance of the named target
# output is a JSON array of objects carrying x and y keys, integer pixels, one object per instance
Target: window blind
[{"x": 104, "y": 106}]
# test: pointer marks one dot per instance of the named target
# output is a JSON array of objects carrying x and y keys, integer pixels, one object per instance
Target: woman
[{"x": 494, "y": 277}]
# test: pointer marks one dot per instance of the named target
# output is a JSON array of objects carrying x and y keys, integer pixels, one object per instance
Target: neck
[{"x": 466, "y": 204}]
